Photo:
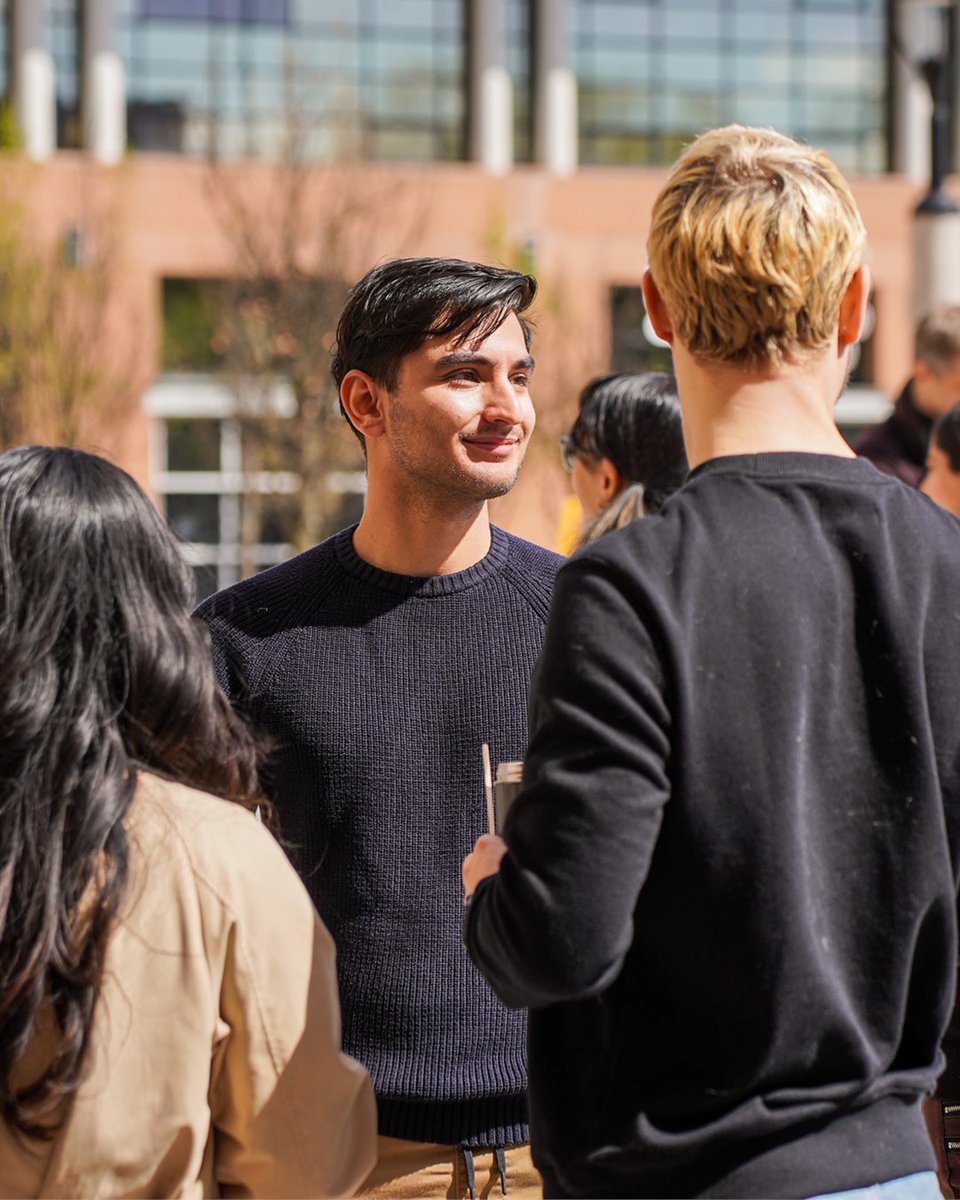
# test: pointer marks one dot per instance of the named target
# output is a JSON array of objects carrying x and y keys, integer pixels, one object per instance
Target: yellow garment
[
  {"x": 215, "y": 1063},
  {"x": 569, "y": 524}
]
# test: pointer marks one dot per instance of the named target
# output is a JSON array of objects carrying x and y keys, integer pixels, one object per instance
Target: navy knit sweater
[
  {"x": 730, "y": 894},
  {"x": 379, "y": 690}
]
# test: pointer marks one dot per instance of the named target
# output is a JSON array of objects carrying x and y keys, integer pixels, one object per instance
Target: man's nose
[{"x": 503, "y": 402}]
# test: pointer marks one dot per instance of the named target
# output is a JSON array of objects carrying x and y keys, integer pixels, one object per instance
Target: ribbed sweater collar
[
  {"x": 430, "y": 585},
  {"x": 783, "y": 464}
]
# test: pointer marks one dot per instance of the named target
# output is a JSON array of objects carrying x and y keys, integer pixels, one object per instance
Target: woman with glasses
[
  {"x": 169, "y": 1022},
  {"x": 625, "y": 451}
]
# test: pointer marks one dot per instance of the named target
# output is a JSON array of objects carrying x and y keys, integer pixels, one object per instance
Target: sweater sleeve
[
  {"x": 557, "y": 921},
  {"x": 292, "y": 1115},
  {"x": 226, "y": 648}
]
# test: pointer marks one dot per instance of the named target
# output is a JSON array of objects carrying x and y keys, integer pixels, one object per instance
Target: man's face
[
  {"x": 458, "y": 422},
  {"x": 934, "y": 394}
]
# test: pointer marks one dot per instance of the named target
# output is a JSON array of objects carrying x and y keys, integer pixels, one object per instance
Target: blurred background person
[
  {"x": 942, "y": 1112},
  {"x": 899, "y": 444},
  {"x": 169, "y": 1022},
  {"x": 625, "y": 451},
  {"x": 942, "y": 480}
]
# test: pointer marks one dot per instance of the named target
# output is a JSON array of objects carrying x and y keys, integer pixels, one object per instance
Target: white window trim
[{"x": 201, "y": 397}]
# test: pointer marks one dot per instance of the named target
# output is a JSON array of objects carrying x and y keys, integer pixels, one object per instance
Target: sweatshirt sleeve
[
  {"x": 292, "y": 1115},
  {"x": 228, "y": 662},
  {"x": 557, "y": 921}
]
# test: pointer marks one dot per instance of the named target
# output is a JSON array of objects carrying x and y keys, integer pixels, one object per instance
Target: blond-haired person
[{"x": 727, "y": 889}]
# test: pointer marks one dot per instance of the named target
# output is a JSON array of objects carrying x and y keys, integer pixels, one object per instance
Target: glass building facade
[
  {"x": 386, "y": 79},
  {"x": 390, "y": 79},
  {"x": 654, "y": 73},
  {"x": 374, "y": 79}
]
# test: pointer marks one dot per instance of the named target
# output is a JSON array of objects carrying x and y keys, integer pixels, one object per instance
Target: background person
[
  {"x": 942, "y": 480},
  {"x": 899, "y": 444},
  {"x": 625, "y": 451},
  {"x": 942, "y": 484},
  {"x": 380, "y": 661},
  {"x": 168, "y": 1007},
  {"x": 727, "y": 891}
]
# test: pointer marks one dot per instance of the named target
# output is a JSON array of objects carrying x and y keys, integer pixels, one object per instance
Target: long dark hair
[
  {"x": 634, "y": 421},
  {"x": 103, "y": 671}
]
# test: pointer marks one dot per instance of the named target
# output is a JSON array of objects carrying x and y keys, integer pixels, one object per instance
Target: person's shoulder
[
  {"x": 220, "y": 843},
  {"x": 530, "y": 570},
  {"x": 939, "y": 526},
  {"x": 657, "y": 534},
  {"x": 531, "y": 556},
  {"x": 256, "y": 603},
  {"x": 642, "y": 556}
]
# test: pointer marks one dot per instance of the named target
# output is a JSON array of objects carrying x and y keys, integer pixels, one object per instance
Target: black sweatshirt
[
  {"x": 379, "y": 690},
  {"x": 729, "y": 898}
]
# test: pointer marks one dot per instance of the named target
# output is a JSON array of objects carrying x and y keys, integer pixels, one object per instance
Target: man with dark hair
[
  {"x": 727, "y": 888},
  {"x": 379, "y": 662},
  {"x": 899, "y": 444}
]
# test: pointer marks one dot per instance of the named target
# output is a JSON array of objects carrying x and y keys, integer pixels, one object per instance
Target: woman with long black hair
[
  {"x": 625, "y": 451},
  {"x": 169, "y": 1021}
]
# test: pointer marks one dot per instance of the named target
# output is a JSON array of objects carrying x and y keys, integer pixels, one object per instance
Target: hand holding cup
[{"x": 482, "y": 861}]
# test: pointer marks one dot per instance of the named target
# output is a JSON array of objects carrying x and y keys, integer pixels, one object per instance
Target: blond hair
[{"x": 753, "y": 243}]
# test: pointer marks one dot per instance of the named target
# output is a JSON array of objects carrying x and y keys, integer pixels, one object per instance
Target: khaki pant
[{"x": 422, "y": 1169}]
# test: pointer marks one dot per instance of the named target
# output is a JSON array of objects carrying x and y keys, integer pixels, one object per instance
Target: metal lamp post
[{"x": 937, "y": 217}]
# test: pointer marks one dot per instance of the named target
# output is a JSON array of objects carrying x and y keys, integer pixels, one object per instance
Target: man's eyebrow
[{"x": 455, "y": 358}]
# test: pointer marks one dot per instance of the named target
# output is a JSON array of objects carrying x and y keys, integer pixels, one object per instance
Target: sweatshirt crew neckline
[
  {"x": 791, "y": 463},
  {"x": 422, "y": 585}
]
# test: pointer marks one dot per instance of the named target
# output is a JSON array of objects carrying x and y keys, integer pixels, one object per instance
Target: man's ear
[
  {"x": 853, "y": 308},
  {"x": 656, "y": 309},
  {"x": 362, "y": 400}
]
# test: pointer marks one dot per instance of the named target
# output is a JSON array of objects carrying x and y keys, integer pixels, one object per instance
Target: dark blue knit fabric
[{"x": 379, "y": 690}]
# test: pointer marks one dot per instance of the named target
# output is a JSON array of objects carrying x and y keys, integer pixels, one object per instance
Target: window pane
[
  {"x": 193, "y": 445},
  {"x": 277, "y": 519},
  {"x": 194, "y": 518},
  {"x": 205, "y": 578},
  {"x": 215, "y": 10},
  {"x": 632, "y": 347}
]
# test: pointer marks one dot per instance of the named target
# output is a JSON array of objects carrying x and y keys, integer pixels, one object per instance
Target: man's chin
[
  {"x": 497, "y": 483},
  {"x": 488, "y": 485}
]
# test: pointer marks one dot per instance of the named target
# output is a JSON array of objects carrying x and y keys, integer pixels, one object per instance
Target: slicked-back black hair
[
  {"x": 103, "y": 671},
  {"x": 395, "y": 307}
]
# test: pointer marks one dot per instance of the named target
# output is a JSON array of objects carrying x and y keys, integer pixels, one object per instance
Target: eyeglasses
[{"x": 568, "y": 452}]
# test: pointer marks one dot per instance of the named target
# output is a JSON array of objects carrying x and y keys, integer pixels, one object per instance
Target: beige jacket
[{"x": 216, "y": 1065}]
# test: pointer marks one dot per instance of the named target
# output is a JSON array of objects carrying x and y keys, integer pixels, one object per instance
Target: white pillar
[
  {"x": 555, "y": 89},
  {"x": 936, "y": 252},
  {"x": 104, "y": 89},
  {"x": 918, "y": 31},
  {"x": 491, "y": 92},
  {"x": 34, "y": 95}
]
